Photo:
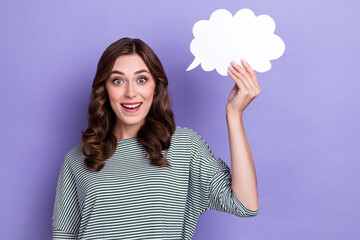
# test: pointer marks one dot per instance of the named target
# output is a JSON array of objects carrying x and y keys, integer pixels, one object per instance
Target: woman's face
[{"x": 131, "y": 90}]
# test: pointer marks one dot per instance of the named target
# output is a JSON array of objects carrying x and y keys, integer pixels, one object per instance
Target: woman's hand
[{"x": 246, "y": 87}]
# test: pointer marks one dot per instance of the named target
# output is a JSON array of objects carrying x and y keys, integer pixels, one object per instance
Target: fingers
[
  {"x": 247, "y": 76},
  {"x": 236, "y": 78},
  {"x": 241, "y": 74},
  {"x": 252, "y": 74}
]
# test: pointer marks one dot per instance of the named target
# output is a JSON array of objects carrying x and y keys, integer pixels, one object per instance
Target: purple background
[{"x": 303, "y": 129}]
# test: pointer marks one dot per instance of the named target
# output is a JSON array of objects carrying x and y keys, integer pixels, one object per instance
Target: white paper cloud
[{"x": 224, "y": 37}]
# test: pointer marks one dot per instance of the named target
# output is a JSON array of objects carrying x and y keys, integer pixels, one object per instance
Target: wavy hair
[{"x": 98, "y": 140}]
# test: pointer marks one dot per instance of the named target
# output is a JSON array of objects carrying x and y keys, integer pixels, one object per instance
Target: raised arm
[{"x": 244, "y": 183}]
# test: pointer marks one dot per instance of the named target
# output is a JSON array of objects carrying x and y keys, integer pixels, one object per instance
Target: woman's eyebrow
[
  {"x": 137, "y": 72},
  {"x": 141, "y": 71},
  {"x": 118, "y": 72}
]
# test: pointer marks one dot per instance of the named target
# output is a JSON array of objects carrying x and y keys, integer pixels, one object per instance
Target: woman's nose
[{"x": 130, "y": 90}]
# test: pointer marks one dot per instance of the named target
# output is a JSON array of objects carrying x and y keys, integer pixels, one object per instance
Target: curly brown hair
[{"x": 98, "y": 140}]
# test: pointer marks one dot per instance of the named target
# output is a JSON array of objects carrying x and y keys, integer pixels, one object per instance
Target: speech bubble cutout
[{"x": 224, "y": 38}]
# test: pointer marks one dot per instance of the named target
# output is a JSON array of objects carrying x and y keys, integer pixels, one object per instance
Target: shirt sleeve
[
  {"x": 66, "y": 212},
  {"x": 215, "y": 180}
]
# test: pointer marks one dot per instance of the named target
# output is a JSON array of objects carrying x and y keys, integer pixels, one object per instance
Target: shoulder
[
  {"x": 190, "y": 136},
  {"x": 186, "y": 133},
  {"x": 201, "y": 155},
  {"x": 74, "y": 156}
]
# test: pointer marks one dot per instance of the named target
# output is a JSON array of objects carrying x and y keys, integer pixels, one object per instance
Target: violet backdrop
[{"x": 303, "y": 129}]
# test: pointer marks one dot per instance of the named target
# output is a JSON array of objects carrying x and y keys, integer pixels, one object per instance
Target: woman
[{"x": 136, "y": 174}]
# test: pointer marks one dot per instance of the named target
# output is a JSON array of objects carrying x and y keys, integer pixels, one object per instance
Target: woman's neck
[{"x": 122, "y": 131}]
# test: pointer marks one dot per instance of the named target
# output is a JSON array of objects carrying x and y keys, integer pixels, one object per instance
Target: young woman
[{"x": 137, "y": 175}]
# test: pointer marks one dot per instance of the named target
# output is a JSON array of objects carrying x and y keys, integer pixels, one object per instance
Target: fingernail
[
  {"x": 244, "y": 60},
  {"x": 234, "y": 63}
]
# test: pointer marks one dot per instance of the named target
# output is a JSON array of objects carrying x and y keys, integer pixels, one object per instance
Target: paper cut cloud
[{"x": 224, "y": 38}]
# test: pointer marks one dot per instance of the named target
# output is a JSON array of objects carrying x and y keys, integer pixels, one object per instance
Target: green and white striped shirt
[{"x": 131, "y": 199}]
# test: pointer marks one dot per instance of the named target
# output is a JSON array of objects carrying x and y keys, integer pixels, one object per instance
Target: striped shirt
[{"x": 132, "y": 199}]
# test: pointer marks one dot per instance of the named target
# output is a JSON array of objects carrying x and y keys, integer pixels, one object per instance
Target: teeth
[{"x": 131, "y": 106}]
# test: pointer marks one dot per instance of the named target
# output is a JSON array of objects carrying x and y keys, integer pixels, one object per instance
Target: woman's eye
[
  {"x": 142, "y": 80},
  {"x": 118, "y": 80}
]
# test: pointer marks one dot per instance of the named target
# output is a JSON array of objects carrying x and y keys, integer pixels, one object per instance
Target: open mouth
[{"x": 131, "y": 106}]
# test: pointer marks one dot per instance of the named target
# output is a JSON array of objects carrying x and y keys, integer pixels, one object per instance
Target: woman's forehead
[{"x": 129, "y": 63}]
